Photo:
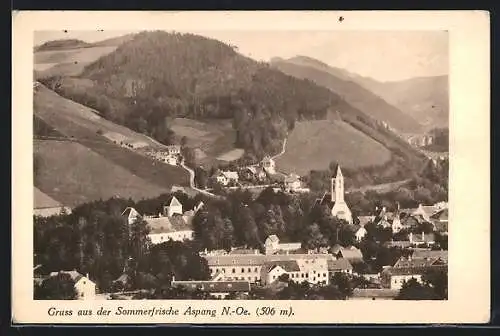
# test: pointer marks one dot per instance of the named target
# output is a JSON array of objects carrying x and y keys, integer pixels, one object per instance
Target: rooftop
[
  {"x": 260, "y": 259},
  {"x": 287, "y": 265},
  {"x": 339, "y": 264},
  {"x": 214, "y": 286}
]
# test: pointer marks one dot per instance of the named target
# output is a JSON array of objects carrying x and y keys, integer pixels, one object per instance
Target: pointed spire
[{"x": 339, "y": 172}]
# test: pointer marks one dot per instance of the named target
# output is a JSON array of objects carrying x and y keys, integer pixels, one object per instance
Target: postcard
[{"x": 250, "y": 167}]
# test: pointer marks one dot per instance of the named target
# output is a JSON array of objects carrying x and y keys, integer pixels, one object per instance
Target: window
[
  {"x": 242, "y": 270},
  {"x": 324, "y": 274},
  {"x": 274, "y": 277},
  {"x": 249, "y": 270},
  {"x": 234, "y": 270},
  {"x": 256, "y": 269},
  {"x": 249, "y": 278},
  {"x": 81, "y": 294},
  {"x": 314, "y": 272}
]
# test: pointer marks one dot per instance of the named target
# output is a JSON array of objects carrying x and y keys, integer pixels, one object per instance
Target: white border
[{"x": 469, "y": 262}]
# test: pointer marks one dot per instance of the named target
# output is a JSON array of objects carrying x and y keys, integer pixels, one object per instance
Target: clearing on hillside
[
  {"x": 313, "y": 145},
  {"x": 212, "y": 138},
  {"x": 74, "y": 174}
]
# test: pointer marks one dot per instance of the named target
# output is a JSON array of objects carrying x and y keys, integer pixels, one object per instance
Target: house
[
  {"x": 131, "y": 214},
  {"x": 173, "y": 150},
  {"x": 248, "y": 267},
  {"x": 84, "y": 287},
  {"x": 421, "y": 239},
  {"x": 225, "y": 177},
  {"x": 440, "y": 220},
  {"x": 269, "y": 165},
  {"x": 363, "y": 220},
  {"x": 335, "y": 199},
  {"x": 163, "y": 229},
  {"x": 313, "y": 271},
  {"x": 292, "y": 182},
  {"x": 395, "y": 277},
  {"x": 341, "y": 265},
  {"x": 257, "y": 172},
  {"x": 173, "y": 207},
  {"x": 271, "y": 271},
  {"x": 272, "y": 245},
  {"x": 351, "y": 253},
  {"x": 360, "y": 233},
  {"x": 436, "y": 254},
  {"x": 171, "y": 159},
  {"x": 423, "y": 211},
  {"x": 216, "y": 289}
]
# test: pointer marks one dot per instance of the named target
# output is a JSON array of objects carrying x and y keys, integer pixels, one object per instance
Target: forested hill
[{"x": 158, "y": 75}]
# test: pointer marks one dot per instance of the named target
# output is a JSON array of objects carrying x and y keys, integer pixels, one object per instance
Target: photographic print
[{"x": 238, "y": 165}]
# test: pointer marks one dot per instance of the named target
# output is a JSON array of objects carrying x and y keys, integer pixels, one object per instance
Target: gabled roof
[
  {"x": 165, "y": 224},
  {"x": 413, "y": 262},
  {"x": 292, "y": 178},
  {"x": 174, "y": 202},
  {"x": 287, "y": 265},
  {"x": 339, "y": 264},
  {"x": 130, "y": 212},
  {"x": 441, "y": 215},
  {"x": 75, "y": 276},
  {"x": 232, "y": 175},
  {"x": 412, "y": 270},
  {"x": 214, "y": 286},
  {"x": 272, "y": 239},
  {"x": 351, "y": 252},
  {"x": 430, "y": 254}
]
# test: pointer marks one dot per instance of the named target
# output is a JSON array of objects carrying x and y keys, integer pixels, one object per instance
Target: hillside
[
  {"x": 156, "y": 78},
  {"x": 425, "y": 99},
  {"x": 313, "y": 145},
  {"x": 353, "y": 93},
  {"x": 62, "y": 44},
  {"x": 76, "y": 159}
]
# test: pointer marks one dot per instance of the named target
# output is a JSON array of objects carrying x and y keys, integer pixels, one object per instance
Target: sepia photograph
[{"x": 232, "y": 164}]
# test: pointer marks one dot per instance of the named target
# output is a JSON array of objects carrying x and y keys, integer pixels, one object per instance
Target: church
[{"x": 335, "y": 198}]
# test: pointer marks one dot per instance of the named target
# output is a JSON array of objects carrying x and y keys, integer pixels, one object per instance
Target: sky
[{"x": 382, "y": 55}]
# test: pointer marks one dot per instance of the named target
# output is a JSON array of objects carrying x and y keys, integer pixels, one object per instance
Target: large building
[{"x": 335, "y": 199}]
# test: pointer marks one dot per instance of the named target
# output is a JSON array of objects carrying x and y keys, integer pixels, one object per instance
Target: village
[{"x": 236, "y": 272}]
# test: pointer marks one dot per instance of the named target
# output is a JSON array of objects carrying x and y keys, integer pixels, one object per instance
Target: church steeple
[{"x": 337, "y": 187}]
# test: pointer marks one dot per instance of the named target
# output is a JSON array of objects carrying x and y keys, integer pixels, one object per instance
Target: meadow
[{"x": 313, "y": 145}]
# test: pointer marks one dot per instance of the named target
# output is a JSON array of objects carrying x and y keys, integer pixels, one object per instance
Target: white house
[
  {"x": 269, "y": 165},
  {"x": 171, "y": 160},
  {"x": 273, "y": 245},
  {"x": 173, "y": 150},
  {"x": 84, "y": 287},
  {"x": 225, "y": 177},
  {"x": 360, "y": 233},
  {"x": 311, "y": 270},
  {"x": 292, "y": 182},
  {"x": 174, "y": 207}
]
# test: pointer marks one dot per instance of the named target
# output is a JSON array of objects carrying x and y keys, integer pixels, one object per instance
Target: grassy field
[
  {"x": 67, "y": 62},
  {"x": 73, "y": 174},
  {"x": 78, "y": 120},
  {"x": 313, "y": 145},
  {"x": 214, "y": 138},
  {"x": 90, "y": 166}
]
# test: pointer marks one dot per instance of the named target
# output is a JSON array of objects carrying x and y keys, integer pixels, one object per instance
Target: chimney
[
  {"x": 411, "y": 237},
  {"x": 87, "y": 276},
  {"x": 423, "y": 236},
  {"x": 173, "y": 278}
]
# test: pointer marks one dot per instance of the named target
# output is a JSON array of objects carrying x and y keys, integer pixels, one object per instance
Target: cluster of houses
[
  {"x": 171, "y": 155},
  {"x": 264, "y": 172},
  {"x": 173, "y": 223}
]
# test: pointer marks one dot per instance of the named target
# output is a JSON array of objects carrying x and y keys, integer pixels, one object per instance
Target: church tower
[{"x": 340, "y": 208}]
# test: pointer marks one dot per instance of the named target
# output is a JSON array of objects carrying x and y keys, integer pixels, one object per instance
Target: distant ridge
[{"x": 341, "y": 82}]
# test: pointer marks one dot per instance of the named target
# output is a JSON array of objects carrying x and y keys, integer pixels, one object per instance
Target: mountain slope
[
  {"x": 355, "y": 94},
  {"x": 425, "y": 99},
  {"x": 156, "y": 77},
  {"x": 77, "y": 161}
]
